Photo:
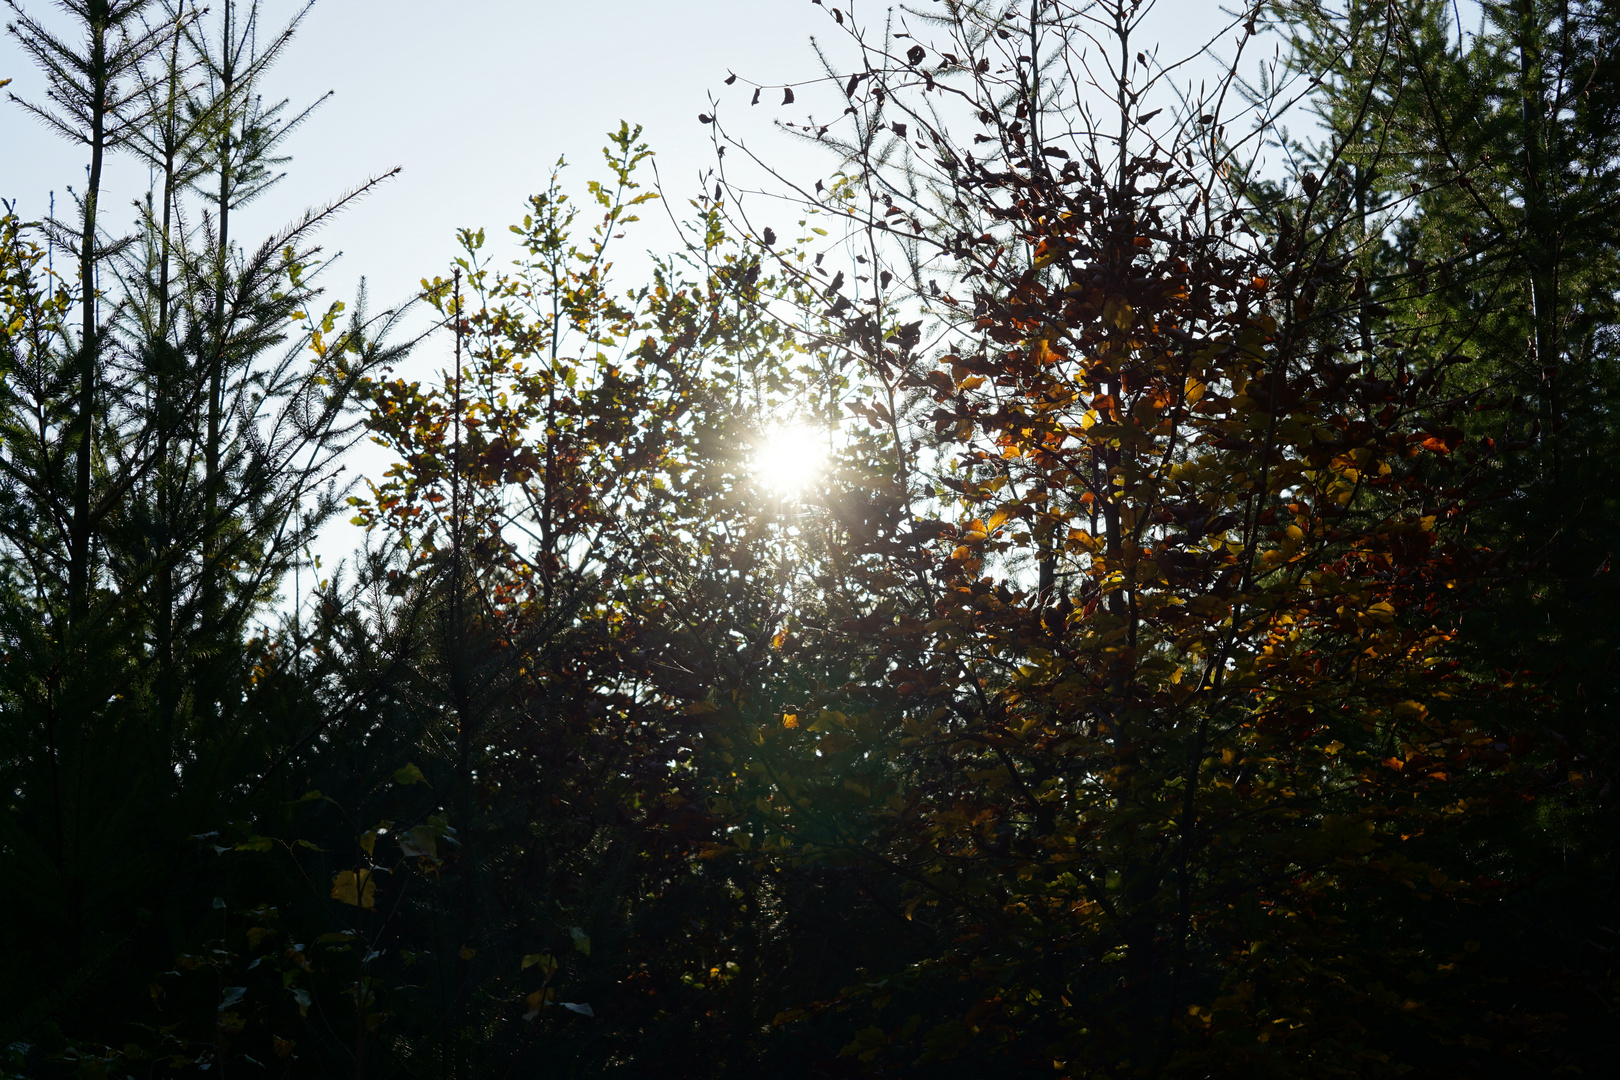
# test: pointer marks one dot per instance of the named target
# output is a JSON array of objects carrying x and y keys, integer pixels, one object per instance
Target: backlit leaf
[{"x": 355, "y": 889}]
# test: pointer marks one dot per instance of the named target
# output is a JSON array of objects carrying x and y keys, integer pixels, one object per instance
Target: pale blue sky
[{"x": 477, "y": 99}]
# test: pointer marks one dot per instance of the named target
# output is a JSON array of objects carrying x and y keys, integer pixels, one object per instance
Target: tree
[
  {"x": 1159, "y": 718},
  {"x": 132, "y": 573},
  {"x": 1124, "y": 697},
  {"x": 1497, "y": 241},
  {"x": 570, "y": 562},
  {"x": 95, "y": 89}
]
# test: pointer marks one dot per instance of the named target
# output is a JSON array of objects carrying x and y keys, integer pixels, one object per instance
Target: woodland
[{"x": 1191, "y": 655}]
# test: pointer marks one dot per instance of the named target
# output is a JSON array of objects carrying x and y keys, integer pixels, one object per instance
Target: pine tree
[
  {"x": 172, "y": 422},
  {"x": 1501, "y": 179}
]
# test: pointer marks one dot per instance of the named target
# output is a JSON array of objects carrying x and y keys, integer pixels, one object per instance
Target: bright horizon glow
[{"x": 786, "y": 459}]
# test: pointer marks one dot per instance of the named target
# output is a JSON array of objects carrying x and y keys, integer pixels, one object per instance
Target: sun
[{"x": 788, "y": 458}]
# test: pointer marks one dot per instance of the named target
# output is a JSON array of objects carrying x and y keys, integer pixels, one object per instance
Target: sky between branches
[{"x": 479, "y": 99}]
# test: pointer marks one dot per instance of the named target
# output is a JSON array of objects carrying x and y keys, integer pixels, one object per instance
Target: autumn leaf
[
  {"x": 356, "y": 890},
  {"x": 544, "y": 961}
]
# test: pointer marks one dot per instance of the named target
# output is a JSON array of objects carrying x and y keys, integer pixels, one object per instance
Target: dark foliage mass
[{"x": 1193, "y": 655}]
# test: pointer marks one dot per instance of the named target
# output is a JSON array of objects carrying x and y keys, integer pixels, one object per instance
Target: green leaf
[
  {"x": 421, "y": 842},
  {"x": 410, "y": 774},
  {"x": 582, "y": 940}
]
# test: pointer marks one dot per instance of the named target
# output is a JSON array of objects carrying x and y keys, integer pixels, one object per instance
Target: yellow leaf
[
  {"x": 1085, "y": 540},
  {"x": 1117, "y": 313},
  {"x": 355, "y": 890}
]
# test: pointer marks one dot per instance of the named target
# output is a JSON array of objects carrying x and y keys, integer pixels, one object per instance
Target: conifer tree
[
  {"x": 1501, "y": 182},
  {"x": 173, "y": 419}
]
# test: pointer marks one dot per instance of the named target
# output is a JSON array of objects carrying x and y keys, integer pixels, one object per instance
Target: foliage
[
  {"x": 170, "y": 417},
  {"x": 1163, "y": 719},
  {"x": 1494, "y": 194},
  {"x": 1143, "y": 687}
]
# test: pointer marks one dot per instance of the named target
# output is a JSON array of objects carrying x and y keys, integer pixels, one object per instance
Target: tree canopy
[{"x": 1181, "y": 647}]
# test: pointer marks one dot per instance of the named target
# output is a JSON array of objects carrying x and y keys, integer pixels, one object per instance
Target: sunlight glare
[{"x": 787, "y": 459}]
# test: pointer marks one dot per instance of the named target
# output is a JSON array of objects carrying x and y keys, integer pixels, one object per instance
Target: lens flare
[{"x": 787, "y": 459}]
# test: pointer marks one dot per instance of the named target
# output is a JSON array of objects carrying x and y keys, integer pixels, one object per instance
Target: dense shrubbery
[{"x": 1192, "y": 660}]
